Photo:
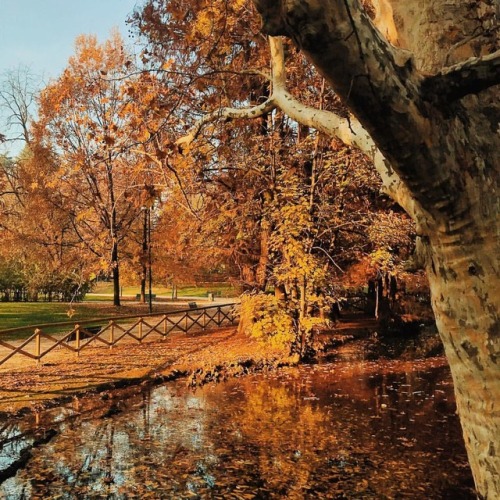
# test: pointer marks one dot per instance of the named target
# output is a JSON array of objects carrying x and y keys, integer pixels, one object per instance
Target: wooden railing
[{"x": 110, "y": 331}]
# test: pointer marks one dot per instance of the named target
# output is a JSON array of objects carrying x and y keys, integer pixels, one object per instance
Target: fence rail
[{"x": 110, "y": 331}]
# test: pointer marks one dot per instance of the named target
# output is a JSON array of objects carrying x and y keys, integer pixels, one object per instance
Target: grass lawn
[
  {"x": 96, "y": 305},
  {"x": 20, "y": 314},
  {"x": 102, "y": 290},
  {"x": 16, "y": 314}
]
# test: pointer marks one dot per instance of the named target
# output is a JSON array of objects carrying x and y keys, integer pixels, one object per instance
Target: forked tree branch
[
  {"x": 382, "y": 87},
  {"x": 226, "y": 114}
]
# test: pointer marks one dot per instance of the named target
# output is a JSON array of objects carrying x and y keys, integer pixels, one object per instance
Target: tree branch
[
  {"x": 381, "y": 86},
  {"x": 226, "y": 114},
  {"x": 468, "y": 77},
  {"x": 348, "y": 130}
]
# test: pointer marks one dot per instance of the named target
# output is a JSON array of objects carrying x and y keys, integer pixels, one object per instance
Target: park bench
[
  {"x": 192, "y": 305},
  {"x": 153, "y": 296}
]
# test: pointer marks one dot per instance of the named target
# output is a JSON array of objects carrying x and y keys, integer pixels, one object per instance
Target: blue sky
[{"x": 41, "y": 33}]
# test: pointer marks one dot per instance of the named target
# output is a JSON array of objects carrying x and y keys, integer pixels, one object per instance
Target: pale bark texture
[{"x": 429, "y": 103}]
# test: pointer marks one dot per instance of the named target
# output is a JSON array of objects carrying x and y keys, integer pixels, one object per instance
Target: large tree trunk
[
  {"x": 441, "y": 143},
  {"x": 464, "y": 283}
]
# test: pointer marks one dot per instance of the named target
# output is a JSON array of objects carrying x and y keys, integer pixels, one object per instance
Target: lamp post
[
  {"x": 150, "y": 271},
  {"x": 147, "y": 273}
]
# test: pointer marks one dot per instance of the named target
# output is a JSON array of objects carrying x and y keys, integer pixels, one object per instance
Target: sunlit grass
[
  {"x": 106, "y": 297},
  {"x": 103, "y": 291},
  {"x": 17, "y": 314},
  {"x": 24, "y": 314}
]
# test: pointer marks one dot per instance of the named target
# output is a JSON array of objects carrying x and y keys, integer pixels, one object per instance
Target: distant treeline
[{"x": 65, "y": 291}]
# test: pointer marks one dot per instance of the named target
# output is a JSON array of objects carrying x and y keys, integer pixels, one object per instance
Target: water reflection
[{"x": 330, "y": 431}]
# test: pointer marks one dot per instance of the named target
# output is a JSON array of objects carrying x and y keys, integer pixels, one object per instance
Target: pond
[{"x": 335, "y": 430}]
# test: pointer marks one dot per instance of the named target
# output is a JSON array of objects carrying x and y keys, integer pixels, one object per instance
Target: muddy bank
[
  {"x": 202, "y": 357},
  {"x": 210, "y": 355}
]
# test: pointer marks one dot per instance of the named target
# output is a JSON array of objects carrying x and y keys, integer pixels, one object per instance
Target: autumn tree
[
  {"x": 244, "y": 170},
  {"x": 37, "y": 232},
  {"x": 89, "y": 118},
  {"x": 182, "y": 251},
  {"x": 263, "y": 209}
]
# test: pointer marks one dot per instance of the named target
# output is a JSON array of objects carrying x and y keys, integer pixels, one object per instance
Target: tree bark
[
  {"x": 115, "y": 262},
  {"x": 440, "y": 142},
  {"x": 465, "y": 291}
]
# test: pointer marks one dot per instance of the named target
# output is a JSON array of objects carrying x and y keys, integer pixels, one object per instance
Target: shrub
[{"x": 266, "y": 319}]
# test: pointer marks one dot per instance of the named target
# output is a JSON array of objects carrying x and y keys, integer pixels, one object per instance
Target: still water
[{"x": 342, "y": 430}]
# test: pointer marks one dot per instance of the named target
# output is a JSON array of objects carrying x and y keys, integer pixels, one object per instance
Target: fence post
[
  {"x": 204, "y": 319},
  {"x": 111, "y": 333},
  {"x": 165, "y": 326},
  {"x": 219, "y": 321},
  {"x": 38, "y": 345},
  {"x": 77, "y": 338},
  {"x": 140, "y": 331}
]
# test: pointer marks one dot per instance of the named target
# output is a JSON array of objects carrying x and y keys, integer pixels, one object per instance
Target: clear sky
[{"x": 41, "y": 33}]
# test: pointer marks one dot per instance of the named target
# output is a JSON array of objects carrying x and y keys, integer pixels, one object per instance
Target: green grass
[
  {"x": 96, "y": 305},
  {"x": 17, "y": 314},
  {"x": 103, "y": 290},
  {"x": 26, "y": 314}
]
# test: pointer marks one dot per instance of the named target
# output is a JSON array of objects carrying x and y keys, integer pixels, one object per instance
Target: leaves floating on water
[{"x": 312, "y": 432}]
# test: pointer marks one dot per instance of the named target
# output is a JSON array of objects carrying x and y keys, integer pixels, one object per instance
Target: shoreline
[{"x": 200, "y": 357}]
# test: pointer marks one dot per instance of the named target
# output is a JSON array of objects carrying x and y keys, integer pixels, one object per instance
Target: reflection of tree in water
[
  {"x": 73, "y": 461},
  {"x": 147, "y": 450},
  {"x": 312, "y": 432},
  {"x": 14, "y": 443},
  {"x": 286, "y": 436}
]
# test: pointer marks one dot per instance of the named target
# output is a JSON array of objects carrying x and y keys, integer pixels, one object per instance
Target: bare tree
[{"x": 18, "y": 92}]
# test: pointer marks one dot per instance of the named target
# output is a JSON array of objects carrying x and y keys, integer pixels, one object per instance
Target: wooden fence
[{"x": 110, "y": 331}]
